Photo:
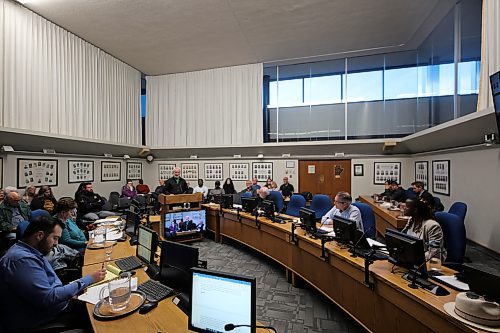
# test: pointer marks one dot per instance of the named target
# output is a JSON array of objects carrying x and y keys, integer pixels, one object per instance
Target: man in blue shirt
[
  {"x": 32, "y": 294},
  {"x": 342, "y": 207}
]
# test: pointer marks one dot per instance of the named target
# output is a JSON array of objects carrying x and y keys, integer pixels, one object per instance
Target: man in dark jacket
[
  {"x": 422, "y": 194},
  {"x": 12, "y": 211},
  {"x": 176, "y": 184},
  {"x": 90, "y": 204},
  {"x": 396, "y": 192}
]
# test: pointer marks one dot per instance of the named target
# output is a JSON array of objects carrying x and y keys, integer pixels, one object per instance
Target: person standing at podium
[{"x": 176, "y": 184}]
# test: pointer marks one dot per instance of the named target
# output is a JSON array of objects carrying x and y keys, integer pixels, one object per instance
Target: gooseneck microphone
[{"x": 230, "y": 327}]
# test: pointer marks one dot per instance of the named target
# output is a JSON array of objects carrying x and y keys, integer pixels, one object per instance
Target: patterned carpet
[{"x": 279, "y": 304}]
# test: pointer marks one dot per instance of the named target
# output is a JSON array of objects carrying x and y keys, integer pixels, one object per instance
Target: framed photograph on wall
[
  {"x": 422, "y": 173},
  {"x": 111, "y": 171},
  {"x": 262, "y": 170},
  {"x": 189, "y": 171},
  {"x": 80, "y": 171},
  {"x": 383, "y": 171},
  {"x": 359, "y": 170},
  {"x": 441, "y": 177},
  {"x": 238, "y": 171},
  {"x": 134, "y": 170},
  {"x": 36, "y": 172},
  {"x": 165, "y": 171},
  {"x": 213, "y": 171}
]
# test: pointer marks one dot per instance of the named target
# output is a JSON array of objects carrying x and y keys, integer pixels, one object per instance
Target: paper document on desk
[
  {"x": 377, "y": 245},
  {"x": 109, "y": 220},
  {"x": 92, "y": 294},
  {"x": 113, "y": 234},
  {"x": 452, "y": 281},
  {"x": 328, "y": 229}
]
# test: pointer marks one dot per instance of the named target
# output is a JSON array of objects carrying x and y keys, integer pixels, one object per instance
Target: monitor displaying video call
[{"x": 182, "y": 222}]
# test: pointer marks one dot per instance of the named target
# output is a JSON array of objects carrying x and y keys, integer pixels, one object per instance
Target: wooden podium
[{"x": 175, "y": 204}]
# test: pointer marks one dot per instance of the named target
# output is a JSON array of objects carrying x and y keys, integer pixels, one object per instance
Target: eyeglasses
[{"x": 340, "y": 202}]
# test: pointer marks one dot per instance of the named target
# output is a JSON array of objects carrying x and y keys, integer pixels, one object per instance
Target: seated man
[
  {"x": 201, "y": 188},
  {"x": 342, "y": 207},
  {"x": 286, "y": 189},
  {"x": 396, "y": 192},
  {"x": 249, "y": 188},
  {"x": 32, "y": 294},
  {"x": 176, "y": 184},
  {"x": 12, "y": 211},
  {"x": 90, "y": 204},
  {"x": 142, "y": 188},
  {"x": 422, "y": 194},
  {"x": 255, "y": 183}
]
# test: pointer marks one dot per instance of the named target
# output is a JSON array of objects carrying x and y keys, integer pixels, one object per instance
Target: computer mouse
[{"x": 145, "y": 308}]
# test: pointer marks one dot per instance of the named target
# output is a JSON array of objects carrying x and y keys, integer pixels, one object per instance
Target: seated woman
[
  {"x": 44, "y": 200},
  {"x": 229, "y": 187},
  {"x": 29, "y": 194},
  {"x": 422, "y": 225},
  {"x": 72, "y": 236},
  {"x": 128, "y": 190}
]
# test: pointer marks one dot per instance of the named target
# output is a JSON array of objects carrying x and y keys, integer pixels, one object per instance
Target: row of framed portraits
[
  {"x": 392, "y": 170},
  {"x": 215, "y": 171},
  {"x": 41, "y": 172}
]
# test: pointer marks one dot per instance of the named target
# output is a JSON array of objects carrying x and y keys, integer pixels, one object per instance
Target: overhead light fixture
[
  {"x": 7, "y": 149},
  {"x": 389, "y": 145},
  {"x": 107, "y": 155},
  {"x": 150, "y": 158},
  {"x": 193, "y": 157},
  {"x": 144, "y": 152},
  {"x": 339, "y": 154},
  {"x": 237, "y": 155},
  {"x": 49, "y": 151},
  {"x": 285, "y": 155},
  {"x": 260, "y": 156},
  {"x": 126, "y": 157}
]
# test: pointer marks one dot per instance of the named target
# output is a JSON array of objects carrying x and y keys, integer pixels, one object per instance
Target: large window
[{"x": 390, "y": 95}]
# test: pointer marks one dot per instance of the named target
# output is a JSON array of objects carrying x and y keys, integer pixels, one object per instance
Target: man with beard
[
  {"x": 176, "y": 184},
  {"x": 90, "y": 203},
  {"x": 32, "y": 294}
]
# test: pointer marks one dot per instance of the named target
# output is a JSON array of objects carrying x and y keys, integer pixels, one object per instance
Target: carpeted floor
[{"x": 303, "y": 310}]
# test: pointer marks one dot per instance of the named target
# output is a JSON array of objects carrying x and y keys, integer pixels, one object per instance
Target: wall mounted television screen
[{"x": 183, "y": 222}]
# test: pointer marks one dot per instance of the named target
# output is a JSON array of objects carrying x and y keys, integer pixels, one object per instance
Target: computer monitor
[
  {"x": 268, "y": 207},
  {"x": 147, "y": 242},
  {"x": 176, "y": 261},
  {"x": 218, "y": 299},
  {"x": 132, "y": 222},
  {"x": 308, "y": 218},
  {"x": 405, "y": 250},
  {"x": 226, "y": 201},
  {"x": 175, "y": 224},
  {"x": 345, "y": 230},
  {"x": 482, "y": 282},
  {"x": 495, "y": 91},
  {"x": 249, "y": 204}
]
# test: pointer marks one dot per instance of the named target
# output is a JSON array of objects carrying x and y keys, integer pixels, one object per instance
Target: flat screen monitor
[
  {"x": 175, "y": 224},
  {"x": 249, "y": 204},
  {"x": 345, "y": 230},
  {"x": 218, "y": 299},
  {"x": 495, "y": 90},
  {"x": 405, "y": 250},
  {"x": 268, "y": 208},
  {"x": 308, "y": 219},
  {"x": 132, "y": 222},
  {"x": 482, "y": 282},
  {"x": 226, "y": 201},
  {"x": 147, "y": 242},
  {"x": 176, "y": 261}
]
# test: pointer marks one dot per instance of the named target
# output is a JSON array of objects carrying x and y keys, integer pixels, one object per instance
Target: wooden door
[{"x": 325, "y": 177}]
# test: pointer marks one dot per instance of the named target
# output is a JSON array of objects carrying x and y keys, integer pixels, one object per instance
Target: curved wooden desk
[
  {"x": 384, "y": 218},
  {"x": 167, "y": 317},
  {"x": 391, "y": 307}
]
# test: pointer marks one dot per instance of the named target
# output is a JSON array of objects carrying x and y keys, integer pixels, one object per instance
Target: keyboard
[
  {"x": 128, "y": 263},
  {"x": 427, "y": 285},
  {"x": 154, "y": 290}
]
